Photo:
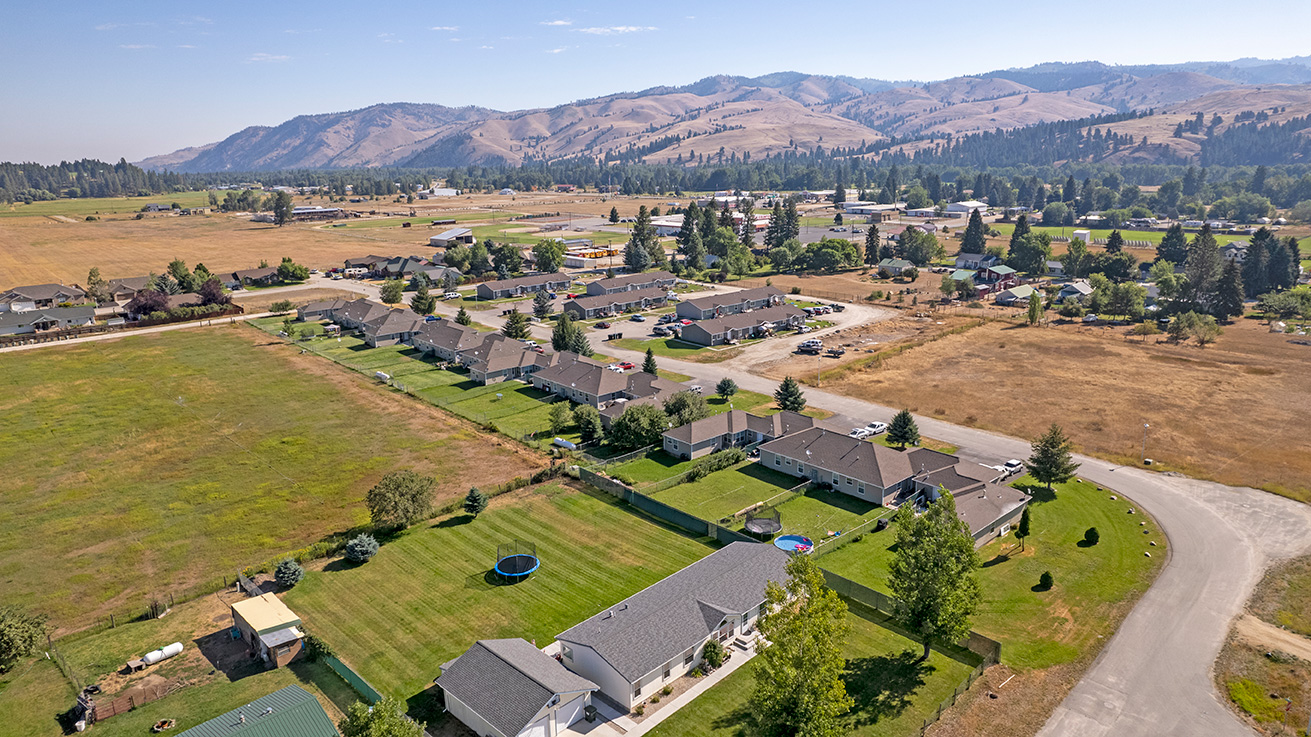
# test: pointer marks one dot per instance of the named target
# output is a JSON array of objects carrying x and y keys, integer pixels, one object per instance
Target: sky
[{"x": 130, "y": 80}]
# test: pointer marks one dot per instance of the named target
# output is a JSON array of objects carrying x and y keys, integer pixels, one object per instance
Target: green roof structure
[{"x": 287, "y": 712}]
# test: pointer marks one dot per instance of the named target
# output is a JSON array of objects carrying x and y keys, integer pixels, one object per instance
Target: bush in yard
[
  {"x": 713, "y": 654},
  {"x": 696, "y": 672},
  {"x": 561, "y": 417},
  {"x": 316, "y": 648},
  {"x": 715, "y": 462},
  {"x": 384, "y": 719},
  {"x": 796, "y": 290},
  {"x": 667, "y": 690},
  {"x": 1045, "y": 581},
  {"x": 361, "y": 548},
  {"x": 1092, "y": 537},
  {"x": 588, "y": 421},
  {"x": 282, "y": 305},
  {"x": 288, "y": 573},
  {"x": 655, "y": 698},
  {"x": 640, "y": 709}
]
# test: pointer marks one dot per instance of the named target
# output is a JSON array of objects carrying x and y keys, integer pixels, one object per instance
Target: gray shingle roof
[
  {"x": 585, "y": 375},
  {"x": 362, "y": 310},
  {"x": 498, "y": 353},
  {"x": 450, "y": 335},
  {"x": 61, "y": 314},
  {"x": 295, "y": 713},
  {"x": 37, "y": 292},
  {"x": 620, "y": 299},
  {"x": 526, "y": 281},
  {"x": 734, "y": 298},
  {"x": 625, "y": 281},
  {"x": 983, "y": 504},
  {"x": 658, "y": 624},
  {"x": 858, "y": 459},
  {"x": 736, "y": 421},
  {"x": 395, "y": 321},
  {"x": 741, "y": 320},
  {"x": 507, "y": 682}
]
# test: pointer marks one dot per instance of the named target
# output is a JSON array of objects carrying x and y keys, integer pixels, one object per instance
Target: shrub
[
  {"x": 361, "y": 548},
  {"x": 655, "y": 699},
  {"x": 288, "y": 573},
  {"x": 316, "y": 648},
  {"x": 715, "y": 462},
  {"x": 667, "y": 690},
  {"x": 1091, "y": 536},
  {"x": 1045, "y": 581},
  {"x": 796, "y": 290},
  {"x": 696, "y": 672},
  {"x": 640, "y": 709},
  {"x": 282, "y": 305},
  {"x": 713, "y": 654}
]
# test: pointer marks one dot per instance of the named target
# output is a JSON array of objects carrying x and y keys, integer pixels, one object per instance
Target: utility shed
[
  {"x": 269, "y": 628},
  {"x": 287, "y": 712}
]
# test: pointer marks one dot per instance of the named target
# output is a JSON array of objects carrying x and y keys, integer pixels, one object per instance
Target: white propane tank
[{"x": 154, "y": 656}]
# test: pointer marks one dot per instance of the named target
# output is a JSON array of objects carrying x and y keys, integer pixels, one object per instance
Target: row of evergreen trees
[{"x": 29, "y": 182}]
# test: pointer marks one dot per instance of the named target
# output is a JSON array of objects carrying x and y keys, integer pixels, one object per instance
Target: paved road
[{"x": 1153, "y": 677}]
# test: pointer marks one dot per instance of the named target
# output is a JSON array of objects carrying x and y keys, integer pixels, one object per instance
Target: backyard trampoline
[
  {"x": 764, "y": 521},
  {"x": 794, "y": 544},
  {"x": 516, "y": 561}
]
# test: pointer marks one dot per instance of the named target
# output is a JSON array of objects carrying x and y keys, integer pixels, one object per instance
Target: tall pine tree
[
  {"x": 1174, "y": 246},
  {"x": 872, "y": 245},
  {"x": 1229, "y": 292},
  {"x": 976, "y": 238},
  {"x": 1021, "y": 229}
]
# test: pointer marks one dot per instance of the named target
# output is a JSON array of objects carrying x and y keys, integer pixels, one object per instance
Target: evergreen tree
[
  {"x": 636, "y": 257},
  {"x": 649, "y": 363},
  {"x": 1052, "y": 461},
  {"x": 976, "y": 238},
  {"x": 1174, "y": 246},
  {"x": 789, "y": 397},
  {"x": 542, "y": 305},
  {"x": 1281, "y": 270},
  {"x": 1022, "y": 531},
  {"x": 777, "y": 225},
  {"x": 726, "y": 388},
  {"x": 932, "y": 572},
  {"x": 475, "y": 502},
  {"x": 578, "y": 342},
  {"x": 614, "y": 215},
  {"x": 1115, "y": 242},
  {"x": 1021, "y": 229},
  {"x": 792, "y": 220},
  {"x": 748, "y": 211},
  {"x": 872, "y": 245},
  {"x": 691, "y": 221},
  {"x": 516, "y": 325},
  {"x": 695, "y": 258},
  {"x": 1202, "y": 271},
  {"x": 462, "y": 317},
  {"x": 562, "y": 333},
  {"x": 1229, "y": 292},
  {"x": 903, "y": 431},
  {"x": 422, "y": 302},
  {"x": 726, "y": 217},
  {"x": 1035, "y": 309}
]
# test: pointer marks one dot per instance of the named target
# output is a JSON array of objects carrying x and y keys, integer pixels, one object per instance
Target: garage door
[
  {"x": 569, "y": 713},
  {"x": 538, "y": 729}
]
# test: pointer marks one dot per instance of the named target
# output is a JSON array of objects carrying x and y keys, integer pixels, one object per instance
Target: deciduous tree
[
  {"x": 400, "y": 499},
  {"x": 21, "y": 633},
  {"x": 549, "y": 255},
  {"x": 391, "y": 291},
  {"x": 639, "y": 426},
  {"x": 384, "y": 719},
  {"x": 685, "y": 407},
  {"x": 726, "y": 388},
  {"x": 932, "y": 573}
]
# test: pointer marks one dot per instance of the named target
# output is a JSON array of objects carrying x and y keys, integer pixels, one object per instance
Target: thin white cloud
[
  {"x": 449, "y": 29},
  {"x": 456, "y": 40},
  {"x": 555, "y": 23},
  {"x": 557, "y": 51},
  {"x": 615, "y": 30},
  {"x": 109, "y": 26},
  {"x": 186, "y": 46},
  {"x": 136, "y": 47},
  {"x": 484, "y": 46},
  {"x": 262, "y": 57},
  {"x": 295, "y": 31}
]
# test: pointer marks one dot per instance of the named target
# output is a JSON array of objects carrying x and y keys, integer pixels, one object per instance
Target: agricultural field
[
  {"x": 430, "y": 593},
  {"x": 143, "y": 467},
  {"x": 1102, "y": 387},
  {"x": 100, "y": 206},
  {"x": 893, "y": 693},
  {"x": 1095, "y": 585}
]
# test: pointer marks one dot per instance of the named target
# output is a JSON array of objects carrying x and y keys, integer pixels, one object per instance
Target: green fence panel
[{"x": 355, "y": 680}]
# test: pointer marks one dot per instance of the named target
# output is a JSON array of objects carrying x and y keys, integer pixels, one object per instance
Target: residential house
[
  {"x": 269, "y": 628},
  {"x": 582, "y": 380},
  {"x": 356, "y": 314},
  {"x": 396, "y": 326},
  {"x": 122, "y": 291},
  {"x": 743, "y": 325},
  {"x": 662, "y": 280},
  {"x": 732, "y": 429},
  {"x": 39, "y": 296},
  {"x": 452, "y": 237},
  {"x": 1055, "y": 268},
  {"x": 888, "y": 477},
  {"x": 1234, "y": 251},
  {"x": 400, "y": 267},
  {"x": 291, "y": 711},
  {"x": 498, "y": 358},
  {"x": 368, "y": 263},
  {"x": 321, "y": 310},
  {"x": 522, "y": 286},
  {"x": 718, "y": 305},
  {"x": 976, "y": 261},
  {"x": 895, "y": 266},
  {"x": 446, "y": 339},
  {"x": 635, "y": 647},
  {"x": 643, "y": 388},
  {"x": 156, "y": 207},
  {"x": 1080, "y": 290},
  {"x": 602, "y": 305},
  {"x": 508, "y": 688},
  {"x": 260, "y": 277},
  {"x": 15, "y": 322},
  {"x": 990, "y": 279},
  {"x": 1019, "y": 294}
]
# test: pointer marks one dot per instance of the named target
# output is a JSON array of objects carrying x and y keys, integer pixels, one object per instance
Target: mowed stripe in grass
[{"x": 427, "y": 596}]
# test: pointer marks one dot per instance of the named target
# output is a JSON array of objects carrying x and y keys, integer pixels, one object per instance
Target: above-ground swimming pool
[{"x": 794, "y": 543}]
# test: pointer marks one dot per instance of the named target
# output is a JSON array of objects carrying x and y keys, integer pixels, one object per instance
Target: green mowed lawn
[
  {"x": 819, "y": 512},
  {"x": 724, "y": 493},
  {"x": 80, "y": 208},
  {"x": 654, "y": 466},
  {"x": 893, "y": 694},
  {"x": 146, "y": 465},
  {"x": 674, "y": 348},
  {"x": 1094, "y": 585},
  {"x": 32, "y": 697},
  {"x": 459, "y": 217},
  {"x": 430, "y": 594}
]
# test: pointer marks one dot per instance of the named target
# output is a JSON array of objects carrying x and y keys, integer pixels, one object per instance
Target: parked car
[
  {"x": 1091, "y": 318},
  {"x": 602, "y": 325},
  {"x": 638, "y": 318},
  {"x": 626, "y": 366},
  {"x": 1013, "y": 466},
  {"x": 432, "y": 318},
  {"x": 530, "y": 344},
  {"x": 695, "y": 389},
  {"x": 877, "y": 428},
  {"x": 859, "y": 433},
  {"x": 661, "y": 331},
  {"x": 684, "y": 322},
  {"x": 664, "y": 319},
  {"x": 337, "y": 277},
  {"x": 804, "y": 329},
  {"x": 451, "y": 295},
  {"x": 836, "y": 351}
]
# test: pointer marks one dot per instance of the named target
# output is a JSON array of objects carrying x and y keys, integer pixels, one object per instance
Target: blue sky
[{"x": 105, "y": 80}]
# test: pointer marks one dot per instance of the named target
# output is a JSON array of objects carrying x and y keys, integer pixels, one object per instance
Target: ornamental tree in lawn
[
  {"x": 516, "y": 325},
  {"x": 1052, "y": 462},
  {"x": 288, "y": 573},
  {"x": 726, "y": 388},
  {"x": 789, "y": 397},
  {"x": 903, "y": 431},
  {"x": 400, "y": 499},
  {"x": 649, "y": 363},
  {"x": 475, "y": 502},
  {"x": 932, "y": 573}
]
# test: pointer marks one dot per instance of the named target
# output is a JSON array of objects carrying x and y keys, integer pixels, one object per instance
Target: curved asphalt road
[{"x": 1154, "y": 677}]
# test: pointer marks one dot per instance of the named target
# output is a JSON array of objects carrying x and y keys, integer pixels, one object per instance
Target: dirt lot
[
  {"x": 260, "y": 301},
  {"x": 864, "y": 340},
  {"x": 1101, "y": 387}
]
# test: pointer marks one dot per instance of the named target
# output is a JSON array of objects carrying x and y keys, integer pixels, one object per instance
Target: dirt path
[{"x": 1266, "y": 636}]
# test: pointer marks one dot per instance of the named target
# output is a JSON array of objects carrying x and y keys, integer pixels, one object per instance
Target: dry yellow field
[{"x": 1234, "y": 411}]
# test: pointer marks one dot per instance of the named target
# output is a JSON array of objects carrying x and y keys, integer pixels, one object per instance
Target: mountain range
[{"x": 742, "y": 117}]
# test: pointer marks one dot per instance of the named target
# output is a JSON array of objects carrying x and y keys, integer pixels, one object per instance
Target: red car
[
  {"x": 684, "y": 322},
  {"x": 627, "y": 366},
  {"x": 602, "y": 325}
]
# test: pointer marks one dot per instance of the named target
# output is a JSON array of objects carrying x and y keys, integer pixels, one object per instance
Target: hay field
[
  {"x": 146, "y": 466},
  {"x": 1234, "y": 411}
]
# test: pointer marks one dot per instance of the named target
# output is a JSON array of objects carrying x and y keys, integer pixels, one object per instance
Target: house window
[
  {"x": 567, "y": 652},
  {"x": 778, "y": 461},
  {"x": 848, "y": 482},
  {"x": 668, "y": 666},
  {"x": 688, "y": 656},
  {"x": 637, "y": 691}
]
